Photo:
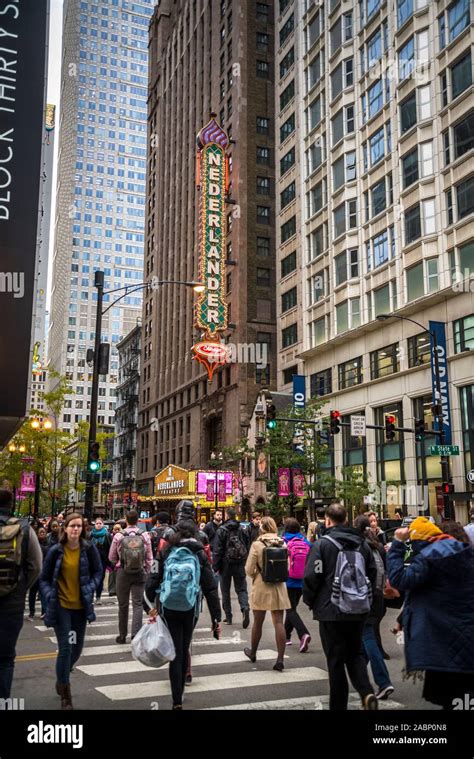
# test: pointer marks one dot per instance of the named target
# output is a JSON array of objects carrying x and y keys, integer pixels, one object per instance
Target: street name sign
[{"x": 444, "y": 450}]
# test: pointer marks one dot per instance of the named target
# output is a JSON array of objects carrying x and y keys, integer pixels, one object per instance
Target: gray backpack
[
  {"x": 132, "y": 553},
  {"x": 351, "y": 588}
]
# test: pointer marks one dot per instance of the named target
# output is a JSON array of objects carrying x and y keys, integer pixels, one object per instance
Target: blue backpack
[{"x": 181, "y": 586}]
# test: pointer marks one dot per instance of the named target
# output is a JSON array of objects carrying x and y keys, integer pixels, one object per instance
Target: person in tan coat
[{"x": 266, "y": 596}]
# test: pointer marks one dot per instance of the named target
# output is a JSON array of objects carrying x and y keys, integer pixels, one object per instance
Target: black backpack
[
  {"x": 14, "y": 536},
  {"x": 275, "y": 562},
  {"x": 236, "y": 546}
]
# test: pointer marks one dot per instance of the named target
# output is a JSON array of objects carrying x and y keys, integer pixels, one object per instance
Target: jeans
[
  {"x": 11, "y": 623},
  {"x": 70, "y": 630},
  {"x": 33, "y": 592},
  {"x": 342, "y": 644},
  {"x": 126, "y": 585},
  {"x": 181, "y": 626},
  {"x": 100, "y": 586},
  {"x": 374, "y": 653},
  {"x": 234, "y": 572},
  {"x": 293, "y": 619}
]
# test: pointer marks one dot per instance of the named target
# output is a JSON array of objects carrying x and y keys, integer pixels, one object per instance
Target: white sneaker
[{"x": 383, "y": 693}]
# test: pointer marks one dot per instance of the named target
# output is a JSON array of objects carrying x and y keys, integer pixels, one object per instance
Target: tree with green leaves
[
  {"x": 351, "y": 489},
  {"x": 280, "y": 449}
]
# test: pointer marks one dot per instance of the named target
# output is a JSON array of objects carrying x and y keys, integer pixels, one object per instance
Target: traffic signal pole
[{"x": 89, "y": 494}]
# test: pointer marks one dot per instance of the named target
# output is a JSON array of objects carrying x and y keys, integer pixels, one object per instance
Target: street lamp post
[
  {"x": 128, "y": 289},
  {"x": 438, "y": 414}
]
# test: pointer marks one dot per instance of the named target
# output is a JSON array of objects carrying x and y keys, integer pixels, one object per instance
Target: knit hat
[
  {"x": 423, "y": 529},
  {"x": 185, "y": 510}
]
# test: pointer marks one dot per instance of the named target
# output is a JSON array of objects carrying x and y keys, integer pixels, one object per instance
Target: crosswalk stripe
[
  {"x": 199, "y": 660},
  {"x": 152, "y": 689},
  {"x": 314, "y": 702}
]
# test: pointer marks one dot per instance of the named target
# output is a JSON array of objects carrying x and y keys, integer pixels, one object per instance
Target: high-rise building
[
  {"x": 126, "y": 417},
  {"x": 100, "y": 208},
  {"x": 375, "y": 196},
  {"x": 206, "y": 57}
]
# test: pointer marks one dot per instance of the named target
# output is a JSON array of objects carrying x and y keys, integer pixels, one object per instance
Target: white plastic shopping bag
[{"x": 153, "y": 644}]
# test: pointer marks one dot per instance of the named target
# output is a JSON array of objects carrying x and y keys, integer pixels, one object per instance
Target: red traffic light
[
  {"x": 448, "y": 487},
  {"x": 391, "y": 419},
  {"x": 335, "y": 414}
]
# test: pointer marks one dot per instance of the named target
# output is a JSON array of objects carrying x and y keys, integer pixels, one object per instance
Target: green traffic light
[
  {"x": 94, "y": 466},
  {"x": 272, "y": 424}
]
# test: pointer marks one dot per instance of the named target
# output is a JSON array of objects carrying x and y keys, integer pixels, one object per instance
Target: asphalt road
[{"x": 107, "y": 677}]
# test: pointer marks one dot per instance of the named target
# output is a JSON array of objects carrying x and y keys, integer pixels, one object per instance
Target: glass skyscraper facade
[{"x": 100, "y": 212}]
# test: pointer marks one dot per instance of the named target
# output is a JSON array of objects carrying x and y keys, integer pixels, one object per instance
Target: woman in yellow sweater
[{"x": 71, "y": 573}]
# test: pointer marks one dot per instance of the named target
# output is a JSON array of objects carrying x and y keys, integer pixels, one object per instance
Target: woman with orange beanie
[{"x": 438, "y": 615}]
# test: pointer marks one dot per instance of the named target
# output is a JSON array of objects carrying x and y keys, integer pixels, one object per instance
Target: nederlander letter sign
[
  {"x": 23, "y": 28},
  {"x": 211, "y": 308}
]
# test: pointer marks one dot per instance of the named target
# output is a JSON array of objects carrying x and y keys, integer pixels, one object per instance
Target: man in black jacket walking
[
  {"x": 211, "y": 527},
  {"x": 341, "y": 634},
  {"x": 228, "y": 559}
]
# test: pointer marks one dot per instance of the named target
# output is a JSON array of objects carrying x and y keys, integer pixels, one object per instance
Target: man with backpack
[
  {"x": 133, "y": 550},
  {"x": 160, "y": 524},
  {"x": 229, "y": 557},
  {"x": 339, "y": 580},
  {"x": 20, "y": 566}
]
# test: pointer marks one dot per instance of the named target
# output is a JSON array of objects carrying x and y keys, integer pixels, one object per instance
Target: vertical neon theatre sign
[{"x": 211, "y": 308}]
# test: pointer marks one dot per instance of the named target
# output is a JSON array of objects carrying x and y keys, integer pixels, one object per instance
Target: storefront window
[
  {"x": 467, "y": 422},
  {"x": 390, "y": 455}
]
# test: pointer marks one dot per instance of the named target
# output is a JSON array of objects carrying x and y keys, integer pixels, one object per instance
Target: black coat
[
  {"x": 90, "y": 576},
  {"x": 317, "y": 586},
  {"x": 208, "y": 580},
  {"x": 211, "y": 531},
  {"x": 219, "y": 560}
]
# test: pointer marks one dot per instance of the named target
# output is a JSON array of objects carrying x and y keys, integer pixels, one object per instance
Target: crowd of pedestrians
[{"x": 346, "y": 575}]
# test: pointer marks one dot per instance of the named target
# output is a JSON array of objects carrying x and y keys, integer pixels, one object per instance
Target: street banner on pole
[
  {"x": 210, "y": 486},
  {"x": 298, "y": 483},
  {"x": 439, "y": 329},
  {"x": 28, "y": 482},
  {"x": 283, "y": 481},
  {"x": 299, "y": 391},
  {"x": 222, "y": 493}
]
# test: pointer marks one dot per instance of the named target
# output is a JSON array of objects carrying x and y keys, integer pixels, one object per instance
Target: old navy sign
[
  {"x": 439, "y": 330},
  {"x": 299, "y": 391}
]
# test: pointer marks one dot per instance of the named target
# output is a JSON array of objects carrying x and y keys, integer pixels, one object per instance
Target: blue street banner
[
  {"x": 439, "y": 330},
  {"x": 299, "y": 391}
]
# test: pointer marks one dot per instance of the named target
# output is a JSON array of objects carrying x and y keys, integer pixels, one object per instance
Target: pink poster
[
  {"x": 222, "y": 495},
  {"x": 298, "y": 483},
  {"x": 210, "y": 490},
  {"x": 203, "y": 479},
  {"x": 283, "y": 481},
  {"x": 28, "y": 481}
]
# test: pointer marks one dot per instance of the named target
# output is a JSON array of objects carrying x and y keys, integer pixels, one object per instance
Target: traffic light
[
  {"x": 390, "y": 427},
  {"x": 447, "y": 487},
  {"x": 93, "y": 462},
  {"x": 419, "y": 430},
  {"x": 334, "y": 423},
  {"x": 271, "y": 416}
]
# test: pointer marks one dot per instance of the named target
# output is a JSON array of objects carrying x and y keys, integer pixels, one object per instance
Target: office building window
[
  {"x": 346, "y": 266},
  {"x": 465, "y": 198},
  {"x": 287, "y": 29},
  {"x": 419, "y": 350},
  {"x": 263, "y": 69},
  {"x": 287, "y": 195},
  {"x": 287, "y": 62},
  {"x": 463, "y": 135},
  {"x": 288, "y": 374},
  {"x": 288, "y": 229},
  {"x": 461, "y": 75},
  {"x": 454, "y": 20},
  {"x": 314, "y": 71},
  {"x": 262, "y": 12},
  {"x": 315, "y": 199},
  {"x": 263, "y": 215},
  {"x": 350, "y": 373},
  {"x": 384, "y": 361},
  {"x": 404, "y": 11},
  {"x": 263, "y": 186},
  {"x": 263, "y": 155},
  {"x": 263, "y": 277},
  {"x": 464, "y": 334},
  {"x": 321, "y": 383},
  {"x": 467, "y": 425},
  {"x": 415, "y": 282},
  {"x": 353, "y": 448},
  {"x": 288, "y": 264},
  {"x": 318, "y": 286},
  {"x": 287, "y": 161},
  {"x": 263, "y": 41},
  {"x": 287, "y": 128},
  {"x": 263, "y": 125},
  {"x": 315, "y": 241},
  {"x": 263, "y": 246},
  {"x": 314, "y": 113},
  {"x": 289, "y": 335},
  {"x": 287, "y": 95},
  {"x": 317, "y": 332},
  {"x": 408, "y": 112},
  {"x": 288, "y": 300}
]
